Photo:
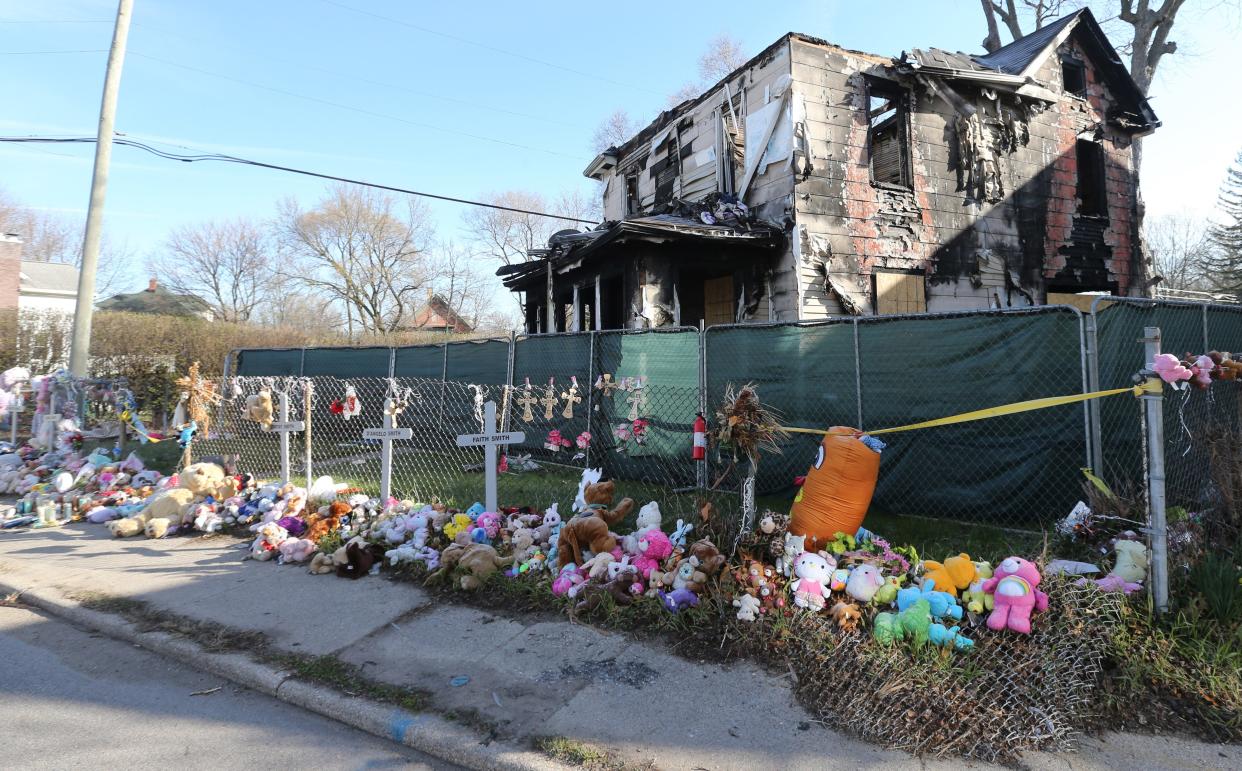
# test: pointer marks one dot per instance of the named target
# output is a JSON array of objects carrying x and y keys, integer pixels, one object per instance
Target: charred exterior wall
[{"x": 990, "y": 216}]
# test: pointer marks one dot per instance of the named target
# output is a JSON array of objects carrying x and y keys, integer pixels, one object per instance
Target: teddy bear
[
  {"x": 589, "y": 530},
  {"x": 295, "y": 550},
  {"x": 267, "y": 541},
  {"x": 915, "y": 622},
  {"x": 976, "y": 599},
  {"x": 687, "y": 576},
  {"x": 814, "y": 573},
  {"x": 259, "y": 408},
  {"x": 954, "y": 574},
  {"x": 649, "y": 518},
  {"x": 945, "y": 637},
  {"x": 319, "y": 525},
  {"x": 885, "y": 630},
  {"x": 167, "y": 508},
  {"x": 1014, "y": 586},
  {"x": 748, "y": 608},
  {"x": 940, "y": 604},
  {"x": 622, "y": 578},
  {"x": 706, "y": 556},
  {"x": 476, "y": 560},
  {"x": 865, "y": 581},
  {"x": 847, "y": 615},
  {"x": 651, "y": 549}
]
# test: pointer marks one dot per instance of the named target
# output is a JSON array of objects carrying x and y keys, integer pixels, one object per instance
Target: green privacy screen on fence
[{"x": 999, "y": 470}]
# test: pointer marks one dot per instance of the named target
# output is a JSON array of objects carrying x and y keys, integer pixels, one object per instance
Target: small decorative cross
[
  {"x": 637, "y": 398},
  {"x": 571, "y": 398},
  {"x": 527, "y": 401},
  {"x": 606, "y": 384},
  {"x": 549, "y": 400}
]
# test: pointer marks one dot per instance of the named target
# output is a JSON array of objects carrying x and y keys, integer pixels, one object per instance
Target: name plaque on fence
[
  {"x": 477, "y": 440},
  {"x": 285, "y": 426},
  {"x": 388, "y": 433}
]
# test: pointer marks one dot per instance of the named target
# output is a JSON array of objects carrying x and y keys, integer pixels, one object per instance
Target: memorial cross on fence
[
  {"x": 489, "y": 440},
  {"x": 284, "y": 427},
  {"x": 387, "y": 434}
]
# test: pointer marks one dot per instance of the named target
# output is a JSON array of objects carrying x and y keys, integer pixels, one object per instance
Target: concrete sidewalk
[{"x": 526, "y": 677}]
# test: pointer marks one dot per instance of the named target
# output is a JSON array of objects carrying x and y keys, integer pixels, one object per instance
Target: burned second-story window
[
  {"x": 1092, "y": 188},
  {"x": 1074, "y": 77},
  {"x": 888, "y": 146},
  {"x": 632, "y": 202}
]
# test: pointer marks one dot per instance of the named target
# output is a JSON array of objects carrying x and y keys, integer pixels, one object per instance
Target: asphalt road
[{"x": 73, "y": 699}]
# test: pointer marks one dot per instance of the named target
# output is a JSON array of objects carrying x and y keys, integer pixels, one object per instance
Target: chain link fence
[{"x": 1016, "y": 471}]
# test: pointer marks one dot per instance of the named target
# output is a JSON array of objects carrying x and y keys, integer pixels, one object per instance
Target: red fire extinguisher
[{"x": 700, "y": 438}]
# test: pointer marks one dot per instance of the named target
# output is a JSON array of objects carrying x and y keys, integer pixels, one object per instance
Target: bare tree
[
  {"x": 288, "y": 303},
  {"x": 1181, "y": 250},
  {"x": 227, "y": 263},
  {"x": 362, "y": 249},
  {"x": 614, "y": 131},
  {"x": 510, "y": 236},
  {"x": 723, "y": 55},
  {"x": 459, "y": 282},
  {"x": 49, "y": 237}
]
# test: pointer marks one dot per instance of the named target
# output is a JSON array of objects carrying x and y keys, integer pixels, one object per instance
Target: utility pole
[{"x": 80, "y": 353}]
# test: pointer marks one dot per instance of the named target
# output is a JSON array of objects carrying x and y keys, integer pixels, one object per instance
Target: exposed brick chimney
[
  {"x": 10, "y": 270},
  {"x": 151, "y": 284}
]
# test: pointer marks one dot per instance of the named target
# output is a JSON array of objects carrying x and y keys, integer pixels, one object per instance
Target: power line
[
  {"x": 56, "y": 21},
  {"x": 485, "y": 46},
  {"x": 360, "y": 79},
  {"x": 40, "y": 53},
  {"x": 338, "y": 105},
  {"x": 319, "y": 175}
]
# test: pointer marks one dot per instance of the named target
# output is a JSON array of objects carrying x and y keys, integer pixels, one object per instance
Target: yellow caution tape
[{"x": 1150, "y": 386}]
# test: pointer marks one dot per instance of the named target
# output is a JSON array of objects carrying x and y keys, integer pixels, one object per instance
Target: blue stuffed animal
[
  {"x": 943, "y": 637},
  {"x": 943, "y": 605}
]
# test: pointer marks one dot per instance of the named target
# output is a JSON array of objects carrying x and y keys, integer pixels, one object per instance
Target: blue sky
[{"x": 457, "y": 103}]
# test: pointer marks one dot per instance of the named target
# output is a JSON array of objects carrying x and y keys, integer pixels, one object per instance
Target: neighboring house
[
  {"x": 50, "y": 287},
  {"x": 437, "y": 315},
  {"x": 933, "y": 181},
  {"x": 33, "y": 286},
  {"x": 157, "y": 299}
]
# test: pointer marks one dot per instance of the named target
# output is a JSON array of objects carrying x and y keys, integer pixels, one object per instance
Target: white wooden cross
[
  {"x": 284, "y": 427},
  {"x": 489, "y": 440},
  {"x": 386, "y": 434}
]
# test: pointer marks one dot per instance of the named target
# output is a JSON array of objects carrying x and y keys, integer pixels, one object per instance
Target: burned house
[{"x": 816, "y": 181}]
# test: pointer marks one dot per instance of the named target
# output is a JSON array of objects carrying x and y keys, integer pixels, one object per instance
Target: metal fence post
[
  {"x": 1153, "y": 404},
  {"x": 308, "y": 392},
  {"x": 700, "y": 470},
  {"x": 590, "y": 389},
  {"x": 1206, "y": 345},
  {"x": 1093, "y": 384},
  {"x": 858, "y": 374}
]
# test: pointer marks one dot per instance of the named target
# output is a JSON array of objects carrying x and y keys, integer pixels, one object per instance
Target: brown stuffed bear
[
  {"x": 319, "y": 525},
  {"x": 589, "y": 530},
  {"x": 165, "y": 509},
  {"x": 707, "y": 556},
  {"x": 478, "y": 560}
]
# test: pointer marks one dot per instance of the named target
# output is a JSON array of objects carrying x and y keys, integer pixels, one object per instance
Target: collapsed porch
[{"x": 647, "y": 272}]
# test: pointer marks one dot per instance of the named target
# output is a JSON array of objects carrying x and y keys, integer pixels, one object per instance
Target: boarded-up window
[
  {"x": 718, "y": 301},
  {"x": 899, "y": 292},
  {"x": 887, "y": 145}
]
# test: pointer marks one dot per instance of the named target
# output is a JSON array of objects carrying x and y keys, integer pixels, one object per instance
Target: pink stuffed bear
[
  {"x": 1170, "y": 369},
  {"x": 1014, "y": 587},
  {"x": 653, "y": 548}
]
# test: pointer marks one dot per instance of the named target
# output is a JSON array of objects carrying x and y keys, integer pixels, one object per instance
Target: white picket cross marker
[
  {"x": 489, "y": 440},
  {"x": 387, "y": 434},
  {"x": 284, "y": 427}
]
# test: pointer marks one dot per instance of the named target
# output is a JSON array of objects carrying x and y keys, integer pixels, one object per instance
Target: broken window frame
[
  {"x": 1091, "y": 189},
  {"x": 633, "y": 199},
  {"x": 1068, "y": 65},
  {"x": 899, "y": 99}
]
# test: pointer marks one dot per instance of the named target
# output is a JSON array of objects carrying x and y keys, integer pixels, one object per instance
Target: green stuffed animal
[
  {"x": 977, "y": 601},
  {"x": 915, "y": 622},
  {"x": 886, "y": 630},
  {"x": 887, "y": 594}
]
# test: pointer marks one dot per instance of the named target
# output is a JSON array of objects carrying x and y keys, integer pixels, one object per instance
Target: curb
[{"x": 427, "y": 733}]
